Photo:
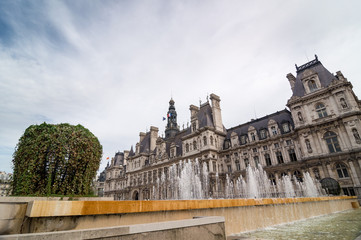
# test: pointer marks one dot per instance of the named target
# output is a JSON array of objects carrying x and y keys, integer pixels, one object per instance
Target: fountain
[
  {"x": 191, "y": 180},
  {"x": 187, "y": 190}
]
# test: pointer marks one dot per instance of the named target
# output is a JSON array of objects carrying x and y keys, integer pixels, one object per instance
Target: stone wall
[{"x": 210, "y": 228}]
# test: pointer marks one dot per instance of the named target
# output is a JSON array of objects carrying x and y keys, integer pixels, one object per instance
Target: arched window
[
  {"x": 187, "y": 147},
  {"x": 308, "y": 145},
  {"x": 342, "y": 170},
  {"x": 194, "y": 126},
  {"x": 204, "y": 140},
  {"x": 332, "y": 142},
  {"x": 312, "y": 85},
  {"x": 298, "y": 175},
  {"x": 194, "y": 145},
  {"x": 343, "y": 103},
  {"x": 279, "y": 157},
  {"x": 321, "y": 110},
  {"x": 299, "y": 115},
  {"x": 211, "y": 140},
  {"x": 356, "y": 135},
  {"x": 267, "y": 158}
]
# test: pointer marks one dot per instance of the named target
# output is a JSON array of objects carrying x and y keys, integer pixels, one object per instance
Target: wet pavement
[{"x": 341, "y": 226}]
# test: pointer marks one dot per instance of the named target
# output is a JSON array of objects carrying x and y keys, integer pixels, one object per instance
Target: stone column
[
  {"x": 354, "y": 175},
  {"x": 332, "y": 174}
]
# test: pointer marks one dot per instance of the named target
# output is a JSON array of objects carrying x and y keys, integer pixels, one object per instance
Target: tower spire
[{"x": 172, "y": 126}]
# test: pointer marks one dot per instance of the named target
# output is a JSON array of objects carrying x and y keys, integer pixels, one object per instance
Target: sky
[{"x": 112, "y": 66}]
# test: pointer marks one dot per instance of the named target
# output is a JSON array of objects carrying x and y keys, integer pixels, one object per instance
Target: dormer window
[
  {"x": 312, "y": 85},
  {"x": 253, "y": 137},
  {"x": 274, "y": 130},
  {"x": 243, "y": 139},
  {"x": 321, "y": 110},
  {"x": 263, "y": 133},
  {"x": 286, "y": 127}
]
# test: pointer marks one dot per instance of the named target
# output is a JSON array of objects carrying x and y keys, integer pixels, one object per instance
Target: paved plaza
[{"x": 343, "y": 225}]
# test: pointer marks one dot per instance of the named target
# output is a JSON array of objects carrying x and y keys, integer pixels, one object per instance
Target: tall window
[
  {"x": 312, "y": 85},
  {"x": 308, "y": 145},
  {"x": 321, "y": 110},
  {"x": 279, "y": 157},
  {"x": 272, "y": 178},
  {"x": 204, "y": 140},
  {"x": 342, "y": 170},
  {"x": 246, "y": 162},
  {"x": 194, "y": 145},
  {"x": 187, "y": 147},
  {"x": 256, "y": 160},
  {"x": 229, "y": 168},
  {"x": 194, "y": 125},
  {"x": 356, "y": 135},
  {"x": 332, "y": 142},
  {"x": 238, "y": 166},
  {"x": 267, "y": 158},
  {"x": 292, "y": 155},
  {"x": 211, "y": 140}
]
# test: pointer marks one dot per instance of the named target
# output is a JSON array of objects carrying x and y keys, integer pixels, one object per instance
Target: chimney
[
  {"x": 216, "y": 112},
  {"x": 153, "y": 137},
  {"x": 141, "y": 137},
  {"x": 194, "y": 111},
  {"x": 292, "y": 80}
]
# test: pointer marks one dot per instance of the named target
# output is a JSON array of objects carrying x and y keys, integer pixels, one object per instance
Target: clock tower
[{"x": 172, "y": 127}]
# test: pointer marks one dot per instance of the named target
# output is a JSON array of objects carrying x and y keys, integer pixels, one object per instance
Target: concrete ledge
[
  {"x": 81, "y": 208},
  {"x": 214, "y": 227},
  {"x": 29, "y": 199}
]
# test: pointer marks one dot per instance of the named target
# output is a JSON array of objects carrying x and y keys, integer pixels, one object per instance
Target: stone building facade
[{"x": 319, "y": 133}]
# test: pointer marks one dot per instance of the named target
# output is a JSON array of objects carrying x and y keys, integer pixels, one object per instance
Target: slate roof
[
  {"x": 324, "y": 76},
  {"x": 119, "y": 159},
  {"x": 204, "y": 116},
  {"x": 145, "y": 144},
  {"x": 261, "y": 123}
]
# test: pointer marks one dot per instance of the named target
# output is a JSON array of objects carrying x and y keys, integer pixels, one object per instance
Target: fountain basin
[{"x": 240, "y": 214}]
